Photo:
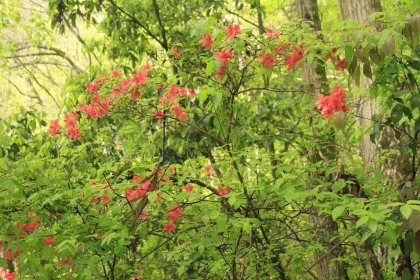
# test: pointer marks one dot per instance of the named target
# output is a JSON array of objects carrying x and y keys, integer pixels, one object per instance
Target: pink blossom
[
  {"x": 232, "y": 31},
  {"x": 206, "y": 41}
]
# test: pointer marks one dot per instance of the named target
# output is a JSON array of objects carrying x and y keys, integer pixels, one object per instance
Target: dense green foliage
[{"x": 211, "y": 160}]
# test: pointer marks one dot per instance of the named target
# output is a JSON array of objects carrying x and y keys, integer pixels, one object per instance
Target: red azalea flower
[
  {"x": 223, "y": 57},
  {"x": 115, "y": 73},
  {"x": 341, "y": 65},
  {"x": 292, "y": 59},
  {"x": 54, "y": 127},
  {"x": 330, "y": 105},
  {"x": 267, "y": 60},
  {"x": 188, "y": 188},
  {"x": 159, "y": 114},
  {"x": 269, "y": 32},
  {"x": 105, "y": 199},
  {"x": 232, "y": 31},
  {"x": 169, "y": 227},
  {"x": 219, "y": 74},
  {"x": 223, "y": 190},
  {"x": 92, "y": 87},
  {"x": 209, "y": 170},
  {"x": 175, "y": 213},
  {"x": 206, "y": 41},
  {"x": 176, "y": 52},
  {"x": 48, "y": 241}
]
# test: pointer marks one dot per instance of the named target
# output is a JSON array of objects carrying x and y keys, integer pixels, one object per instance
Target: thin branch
[
  {"x": 162, "y": 28},
  {"x": 34, "y": 90},
  {"x": 62, "y": 54},
  {"x": 327, "y": 254},
  {"x": 138, "y": 23},
  {"x": 241, "y": 17},
  {"x": 22, "y": 93},
  {"x": 21, "y": 64},
  {"x": 273, "y": 90},
  {"x": 42, "y": 86},
  {"x": 47, "y": 76},
  {"x": 28, "y": 55},
  {"x": 80, "y": 39}
]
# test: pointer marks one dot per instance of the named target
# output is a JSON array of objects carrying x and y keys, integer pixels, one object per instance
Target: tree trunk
[
  {"x": 315, "y": 79},
  {"x": 394, "y": 167},
  {"x": 359, "y": 10},
  {"x": 365, "y": 109},
  {"x": 313, "y": 74}
]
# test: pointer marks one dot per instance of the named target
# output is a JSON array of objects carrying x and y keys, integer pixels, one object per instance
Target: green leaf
[
  {"x": 367, "y": 71},
  {"x": 203, "y": 96},
  {"x": 337, "y": 211},
  {"x": 356, "y": 76},
  {"x": 11, "y": 184},
  {"x": 210, "y": 68},
  {"x": 349, "y": 54},
  {"x": 352, "y": 66},
  {"x": 289, "y": 195},
  {"x": 375, "y": 57},
  {"x": 338, "y": 185},
  {"x": 372, "y": 225},
  {"x": 396, "y": 114},
  {"x": 415, "y": 101},
  {"x": 201, "y": 26},
  {"x": 414, "y": 221},
  {"x": 152, "y": 196},
  {"x": 363, "y": 220},
  {"x": 232, "y": 200},
  {"x": 5, "y": 140},
  {"x": 217, "y": 98},
  {"x": 201, "y": 249},
  {"x": 411, "y": 201},
  {"x": 412, "y": 79},
  {"x": 414, "y": 64},
  {"x": 406, "y": 211}
]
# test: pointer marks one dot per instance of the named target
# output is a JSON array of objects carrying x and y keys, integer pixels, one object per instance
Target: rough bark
[
  {"x": 395, "y": 168},
  {"x": 315, "y": 82},
  {"x": 365, "y": 110},
  {"x": 359, "y": 10}
]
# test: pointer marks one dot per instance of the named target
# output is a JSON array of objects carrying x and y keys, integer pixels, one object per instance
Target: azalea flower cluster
[
  {"x": 291, "y": 54},
  {"x": 268, "y": 60},
  {"x": 70, "y": 120},
  {"x": 174, "y": 215},
  {"x": 142, "y": 188},
  {"x": 73, "y": 131},
  {"x": 29, "y": 227},
  {"x": 11, "y": 255},
  {"x": 340, "y": 63},
  {"x": 223, "y": 190},
  {"x": 7, "y": 274},
  {"x": 331, "y": 104},
  {"x": 48, "y": 241},
  {"x": 97, "y": 107},
  {"x": 137, "y": 276},
  {"x": 8, "y": 255},
  {"x": 130, "y": 87},
  {"x": 171, "y": 98},
  {"x": 100, "y": 106},
  {"x": 101, "y": 199},
  {"x": 54, "y": 127},
  {"x": 223, "y": 56}
]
